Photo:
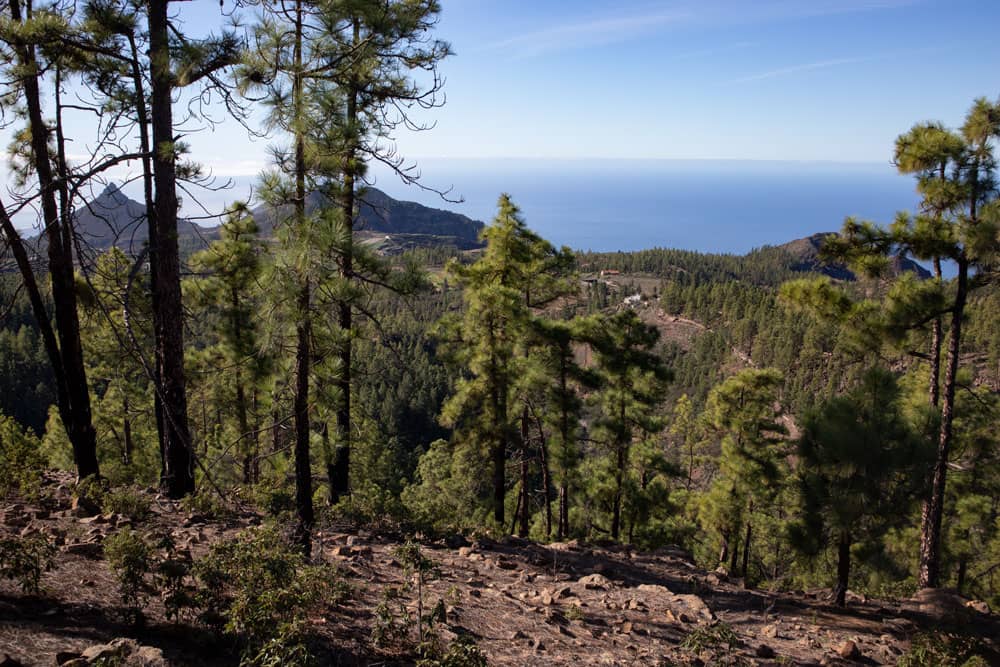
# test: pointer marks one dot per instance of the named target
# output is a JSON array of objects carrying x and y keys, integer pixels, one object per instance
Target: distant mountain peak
[{"x": 806, "y": 254}]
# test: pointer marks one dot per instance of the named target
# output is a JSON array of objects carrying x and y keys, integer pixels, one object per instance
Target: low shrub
[
  {"x": 258, "y": 587},
  {"x": 130, "y": 558},
  {"x": 21, "y": 461},
  {"x": 128, "y": 501},
  {"x": 25, "y": 560},
  {"x": 939, "y": 649}
]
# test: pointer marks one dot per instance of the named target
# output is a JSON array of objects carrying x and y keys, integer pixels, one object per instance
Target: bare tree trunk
[
  {"x": 126, "y": 431},
  {"x": 67, "y": 362},
  {"x": 843, "y": 569},
  {"x": 543, "y": 458},
  {"x": 934, "y": 388},
  {"x": 340, "y": 479},
  {"x": 142, "y": 117},
  {"x": 746, "y": 549},
  {"x": 168, "y": 317},
  {"x": 933, "y": 508},
  {"x": 303, "y": 327}
]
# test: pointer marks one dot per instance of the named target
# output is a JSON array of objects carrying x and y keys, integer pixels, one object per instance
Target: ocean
[{"x": 703, "y": 205}]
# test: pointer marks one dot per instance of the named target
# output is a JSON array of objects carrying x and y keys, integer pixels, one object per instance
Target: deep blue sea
[{"x": 710, "y": 206}]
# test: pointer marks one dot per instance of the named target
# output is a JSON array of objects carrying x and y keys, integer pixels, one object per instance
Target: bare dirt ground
[{"x": 522, "y": 603}]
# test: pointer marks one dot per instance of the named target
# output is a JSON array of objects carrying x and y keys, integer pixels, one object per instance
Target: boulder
[
  {"x": 848, "y": 650},
  {"x": 595, "y": 582}
]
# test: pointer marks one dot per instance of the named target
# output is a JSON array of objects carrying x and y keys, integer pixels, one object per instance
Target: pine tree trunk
[
  {"x": 242, "y": 420},
  {"x": 303, "y": 327},
  {"x": 724, "y": 548},
  {"x": 734, "y": 556},
  {"x": 563, "y": 530},
  {"x": 142, "y": 117},
  {"x": 74, "y": 404},
  {"x": 933, "y": 508},
  {"x": 843, "y": 569},
  {"x": 498, "y": 398},
  {"x": 340, "y": 479},
  {"x": 126, "y": 431},
  {"x": 746, "y": 550},
  {"x": 168, "y": 317},
  {"x": 303, "y": 467},
  {"x": 525, "y": 471},
  {"x": 543, "y": 459},
  {"x": 934, "y": 385}
]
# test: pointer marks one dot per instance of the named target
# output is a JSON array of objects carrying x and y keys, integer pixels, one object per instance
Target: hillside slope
[{"x": 522, "y": 603}]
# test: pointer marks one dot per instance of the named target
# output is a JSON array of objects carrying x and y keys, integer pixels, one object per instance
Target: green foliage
[
  {"x": 858, "y": 465},
  {"x": 943, "y": 650},
  {"x": 130, "y": 558},
  {"x": 26, "y": 559},
  {"x": 128, "y": 501},
  {"x": 391, "y": 621},
  {"x": 462, "y": 652},
  {"x": 260, "y": 588},
  {"x": 711, "y": 637},
  {"x": 21, "y": 461}
]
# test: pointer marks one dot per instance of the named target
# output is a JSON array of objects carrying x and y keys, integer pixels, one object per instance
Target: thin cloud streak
[
  {"x": 795, "y": 69},
  {"x": 586, "y": 34}
]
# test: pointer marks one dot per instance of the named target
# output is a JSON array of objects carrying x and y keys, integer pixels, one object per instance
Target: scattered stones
[
  {"x": 595, "y": 582},
  {"x": 979, "y": 606},
  {"x": 848, "y": 650}
]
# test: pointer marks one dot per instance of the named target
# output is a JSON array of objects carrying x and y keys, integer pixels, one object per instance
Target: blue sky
[
  {"x": 691, "y": 79},
  {"x": 814, "y": 80}
]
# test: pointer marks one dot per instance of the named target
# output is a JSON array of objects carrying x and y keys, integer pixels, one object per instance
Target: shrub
[
  {"x": 25, "y": 559},
  {"x": 462, "y": 652},
  {"x": 943, "y": 650},
  {"x": 259, "y": 587},
  {"x": 90, "y": 493},
  {"x": 208, "y": 505},
  {"x": 21, "y": 461},
  {"x": 391, "y": 621},
  {"x": 170, "y": 575},
  {"x": 128, "y": 501},
  {"x": 711, "y": 637},
  {"x": 130, "y": 558}
]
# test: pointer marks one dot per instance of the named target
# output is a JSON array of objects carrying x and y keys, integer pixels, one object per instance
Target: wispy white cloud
[
  {"x": 795, "y": 69},
  {"x": 596, "y": 32}
]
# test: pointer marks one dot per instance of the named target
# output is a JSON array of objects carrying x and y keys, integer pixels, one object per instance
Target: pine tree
[
  {"x": 632, "y": 383},
  {"x": 233, "y": 268},
  {"x": 857, "y": 456},
  {"x": 743, "y": 410},
  {"x": 516, "y": 270},
  {"x": 960, "y": 223}
]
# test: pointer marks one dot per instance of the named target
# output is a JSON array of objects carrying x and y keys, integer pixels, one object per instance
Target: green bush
[
  {"x": 462, "y": 652},
  {"x": 711, "y": 637},
  {"x": 90, "y": 492},
  {"x": 259, "y": 587},
  {"x": 25, "y": 559},
  {"x": 130, "y": 558},
  {"x": 128, "y": 501},
  {"x": 208, "y": 505},
  {"x": 273, "y": 500},
  {"x": 21, "y": 461},
  {"x": 943, "y": 650}
]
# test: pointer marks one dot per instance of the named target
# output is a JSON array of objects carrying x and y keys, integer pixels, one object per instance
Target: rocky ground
[{"x": 522, "y": 603}]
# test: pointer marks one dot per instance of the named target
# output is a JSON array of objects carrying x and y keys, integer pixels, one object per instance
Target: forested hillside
[{"x": 230, "y": 438}]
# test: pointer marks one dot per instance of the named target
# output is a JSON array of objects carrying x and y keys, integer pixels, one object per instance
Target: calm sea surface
[{"x": 710, "y": 206}]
